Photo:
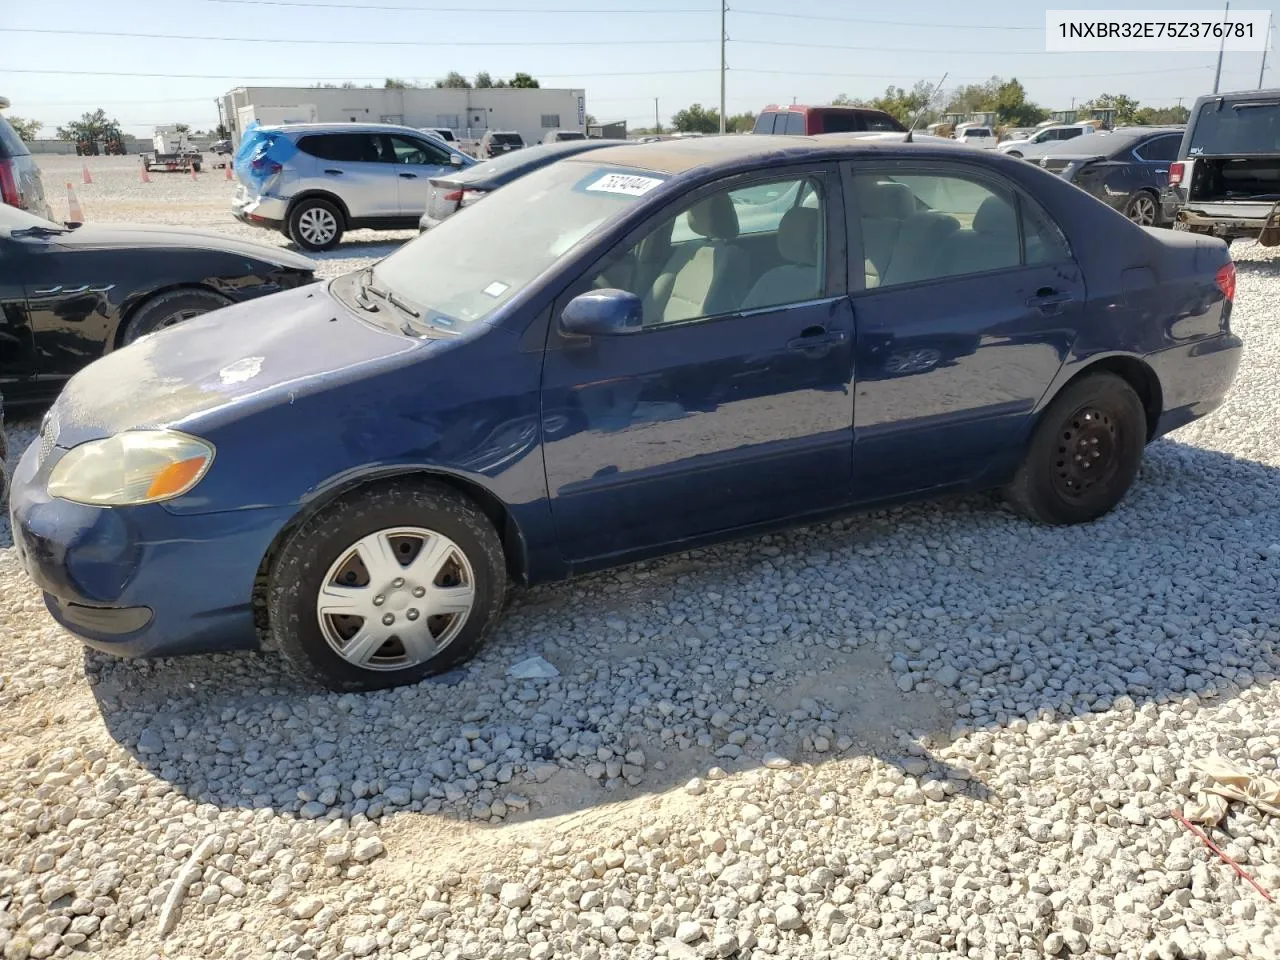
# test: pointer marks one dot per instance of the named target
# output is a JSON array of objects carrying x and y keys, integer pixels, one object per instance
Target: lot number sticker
[{"x": 626, "y": 184}]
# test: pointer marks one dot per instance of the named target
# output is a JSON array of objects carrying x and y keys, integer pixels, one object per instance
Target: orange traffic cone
[
  {"x": 193, "y": 173},
  {"x": 86, "y": 175},
  {"x": 146, "y": 177},
  {"x": 229, "y": 171},
  {"x": 74, "y": 213}
]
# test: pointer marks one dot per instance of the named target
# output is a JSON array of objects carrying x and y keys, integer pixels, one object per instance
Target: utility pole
[
  {"x": 1217, "y": 74},
  {"x": 657, "y": 124},
  {"x": 1263, "y": 68},
  {"x": 724, "y": 10}
]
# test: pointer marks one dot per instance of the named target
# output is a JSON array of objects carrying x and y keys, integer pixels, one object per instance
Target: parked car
[
  {"x": 608, "y": 359},
  {"x": 442, "y": 133},
  {"x": 71, "y": 295},
  {"x": 983, "y": 138},
  {"x": 1226, "y": 178},
  {"x": 315, "y": 181},
  {"x": 1016, "y": 148},
  {"x": 494, "y": 143},
  {"x": 20, "y": 183},
  {"x": 1126, "y": 168},
  {"x": 797, "y": 120},
  {"x": 463, "y": 188},
  {"x": 560, "y": 136},
  {"x": 221, "y": 147},
  {"x": 1017, "y": 133}
]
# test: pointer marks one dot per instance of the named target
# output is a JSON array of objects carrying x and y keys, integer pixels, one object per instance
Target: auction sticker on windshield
[{"x": 629, "y": 185}]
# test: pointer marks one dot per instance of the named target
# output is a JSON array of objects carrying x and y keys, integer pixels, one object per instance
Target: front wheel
[
  {"x": 169, "y": 309},
  {"x": 386, "y": 586},
  {"x": 1084, "y": 453},
  {"x": 1143, "y": 209}
]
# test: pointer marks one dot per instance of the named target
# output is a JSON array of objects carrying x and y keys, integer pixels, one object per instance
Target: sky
[{"x": 57, "y": 56}]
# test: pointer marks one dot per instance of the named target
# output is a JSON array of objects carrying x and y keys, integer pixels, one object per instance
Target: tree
[
  {"x": 221, "y": 132},
  {"x": 591, "y": 121},
  {"x": 904, "y": 105},
  {"x": 741, "y": 123},
  {"x": 1007, "y": 99},
  {"x": 844, "y": 100},
  {"x": 91, "y": 127},
  {"x": 27, "y": 129},
  {"x": 524, "y": 82},
  {"x": 182, "y": 127},
  {"x": 483, "y": 80},
  {"x": 453, "y": 80},
  {"x": 393, "y": 83},
  {"x": 1126, "y": 108},
  {"x": 697, "y": 119},
  {"x": 1154, "y": 116}
]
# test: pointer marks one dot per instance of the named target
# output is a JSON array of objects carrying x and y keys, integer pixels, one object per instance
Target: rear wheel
[
  {"x": 168, "y": 309},
  {"x": 1084, "y": 453},
  {"x": 1143, "y": 209},
  {"x": 315, "y": 224},
  {"x": 387, "y": 586}
]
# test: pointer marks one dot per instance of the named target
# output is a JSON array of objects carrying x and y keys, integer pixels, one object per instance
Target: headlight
[{"x": 138, "y": 466}]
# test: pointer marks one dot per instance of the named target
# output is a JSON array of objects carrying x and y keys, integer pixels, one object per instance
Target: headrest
[
  {"x": 995, "y": 215},
  {"x": 714, "y": 218},
  {"x": 798, "y": 235},
  {"x": 887, "y": 201}
]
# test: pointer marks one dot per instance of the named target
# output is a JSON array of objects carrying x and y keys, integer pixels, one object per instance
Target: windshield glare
[
  {"x": 464, "y": 269},
  {"x": 11, "y": 218}
]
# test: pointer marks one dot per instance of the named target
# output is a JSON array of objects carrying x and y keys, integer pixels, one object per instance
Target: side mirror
[
  {"x": 455, "y": 160},
  {"x": 602, "y": 313}
]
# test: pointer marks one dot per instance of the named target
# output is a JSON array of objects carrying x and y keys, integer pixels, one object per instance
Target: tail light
[
  {"x": 454, "y": 196},
  {"x": 1225, "y": 278},
  {"x": 9, "y": 192},
  {"x": 1176, "y": 172}
]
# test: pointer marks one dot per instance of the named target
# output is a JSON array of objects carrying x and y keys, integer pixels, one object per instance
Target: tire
[
  {"x": 315, "y": 224},
  {"x": 1143, "y": 208},
  {"x": 196, "y": 167},
  {"x": 168, "y": 309},
  {"x": 1098, "y": 415},
  {"x": 328, "y": 551}
]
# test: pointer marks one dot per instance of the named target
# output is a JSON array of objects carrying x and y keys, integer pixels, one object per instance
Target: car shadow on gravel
[{"x": 878, "y": 637}]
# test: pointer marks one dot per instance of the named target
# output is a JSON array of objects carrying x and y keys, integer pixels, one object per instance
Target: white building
[{"x": 468, "y": 112}]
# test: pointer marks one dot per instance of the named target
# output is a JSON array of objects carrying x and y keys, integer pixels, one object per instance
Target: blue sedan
[{"x": 629, "y": 352}]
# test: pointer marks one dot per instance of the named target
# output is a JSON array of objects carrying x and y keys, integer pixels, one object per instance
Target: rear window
[
  {"x": 1223, "y": 127},
  {"x": 11, "y": 144},
  {"x": 977, "y": 132},
  {"x": 565, "y": 135},
  {"x": 764, "y": 123},
  {"x": 444, "y": 135},
  {"x": 506, "y": 138},
  {"x": 342, "y": 147}
]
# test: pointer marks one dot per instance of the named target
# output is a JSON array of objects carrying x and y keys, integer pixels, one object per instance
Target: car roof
[
  {"x": 677, "y": 156},
  {"x": 341, "y": 128}
]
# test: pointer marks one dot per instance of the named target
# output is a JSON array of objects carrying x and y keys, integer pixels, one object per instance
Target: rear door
[
  {"x": 417, "y": 160},
  {"x": 351, "y": 166},
  {"x": 1153, "y": 158},
  {"x": 962, "y": 324}
]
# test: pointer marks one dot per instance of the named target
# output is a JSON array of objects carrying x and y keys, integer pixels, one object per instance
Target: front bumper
[
  {"x": 140, "y": 581},
  {"x": 266, "y": 212},
  {"x": 1194, "y": 378}
]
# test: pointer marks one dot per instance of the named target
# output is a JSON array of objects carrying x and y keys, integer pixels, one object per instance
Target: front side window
[
  {"x": 920, "y": 227},
  {"x": 746, "y": 249},
  {"x": 405, "y": 150}
]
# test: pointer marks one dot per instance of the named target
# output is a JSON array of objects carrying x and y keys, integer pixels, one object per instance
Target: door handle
[
  {"x": 815, "y": 337},
  {"x": 330, "y": 170},
  {"x": 1163, "y": 170},
  {"x": 1048, "y": 300},
  {"x": 47, "y": 291},
  {"x": 409, "y": 176}
]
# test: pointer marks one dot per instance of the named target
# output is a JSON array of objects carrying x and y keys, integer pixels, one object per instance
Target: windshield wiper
[
  {"x": 39, "y": 231},
  {"x": 367, "y": 287}
]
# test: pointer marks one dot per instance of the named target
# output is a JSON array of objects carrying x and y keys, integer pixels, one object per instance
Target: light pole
[
  {"x": 724, "y": 10},
  {"x": 1217, "y": 74}
]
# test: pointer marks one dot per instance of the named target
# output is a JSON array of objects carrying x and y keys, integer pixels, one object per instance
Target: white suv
[
  {"x": 1047, "y": 135},
  {"x": 314, "y": 181}
]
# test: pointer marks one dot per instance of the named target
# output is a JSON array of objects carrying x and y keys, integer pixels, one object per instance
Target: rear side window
[
  {"x": 795, "y": 125},
  {"x": 341, "y": 147},
  {"x": 764, "y": 123},
  {"x": 1070, "y": 132},
  {"x": 1160, "y": 148},
  {"x": 1232, "y": 128},
  {"x": 878, "y": 123},
  {"x": 11, "y": 144}
]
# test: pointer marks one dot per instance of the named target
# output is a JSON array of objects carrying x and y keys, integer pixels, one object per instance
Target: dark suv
[
  {"x": 20, "y": 184},
  {"x": 801, "y": 121}
]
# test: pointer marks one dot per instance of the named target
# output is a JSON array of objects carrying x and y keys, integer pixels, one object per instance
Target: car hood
[
  {"x": 262, "y": 351},
  {"x": 98, "y": 236}
]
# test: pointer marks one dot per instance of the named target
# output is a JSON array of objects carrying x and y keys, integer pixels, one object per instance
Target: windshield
[
  {"x": 11, "y": 218},
  {"x": 1223, "y": 127},
  {"x": 515, "y": 163},
  {"x": 570, "y": 135},
  {"x": 466, "y": 268},
  {"x": 977, "y": 132}
]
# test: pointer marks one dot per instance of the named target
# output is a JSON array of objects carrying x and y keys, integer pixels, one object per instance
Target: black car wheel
[
  {"x": 386, "y": 586},
  {"x": 1143, "y": 209},
  {"x": 1084, "y": 453},
  {"x": 315, "y": 225},
  {"x": 167, "y": 309}
]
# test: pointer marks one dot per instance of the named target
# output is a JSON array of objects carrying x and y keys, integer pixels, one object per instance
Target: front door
[
  {"x": 968, "y": 311},
  {"x": 417, "y": 161},
  {"x": 731, "y": 405}
]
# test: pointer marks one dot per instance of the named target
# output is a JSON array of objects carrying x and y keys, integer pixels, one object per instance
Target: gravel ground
[{"x": 934, "y": 730}]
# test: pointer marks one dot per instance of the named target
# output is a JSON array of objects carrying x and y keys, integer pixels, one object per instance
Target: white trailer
[{"x": 171, "y": 150}]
